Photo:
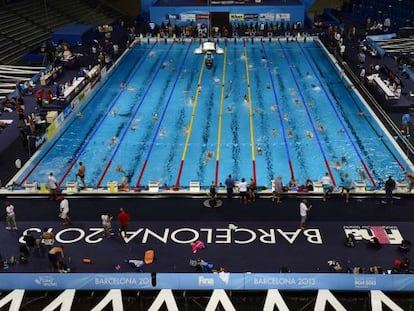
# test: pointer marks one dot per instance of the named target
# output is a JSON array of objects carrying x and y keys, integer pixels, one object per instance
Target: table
[
  {"x": 71, "y": 91},
  {"x": 50, "y": 75},
  {"x": 380, "y": 87}
]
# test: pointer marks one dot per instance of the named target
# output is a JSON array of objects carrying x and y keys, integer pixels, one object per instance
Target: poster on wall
[
  {"x": 202, "y": 17},
  {"x": 187, "y": 17},
  {"x": 233, "y": 17},
  {"x": 251, "y": 17},
  {"x": 267, "y": 17},
  {"x": 282, "y": 17}
]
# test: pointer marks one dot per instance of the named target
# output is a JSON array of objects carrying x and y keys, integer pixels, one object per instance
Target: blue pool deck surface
[{"x": 265, "y": 109}]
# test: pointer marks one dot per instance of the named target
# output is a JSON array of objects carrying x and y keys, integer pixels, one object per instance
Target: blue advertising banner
[{"x": 207, "y": 281}]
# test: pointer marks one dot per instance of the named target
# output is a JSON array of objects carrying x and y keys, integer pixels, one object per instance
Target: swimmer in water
[
  {"x": 343, "y": 160},
  {"x": 79, "y": 115},
  {"x": 337, "y": 165},
  {"x": 114, "y": 112},
  {"x": 309, "y": 134},
  {"x": 151, "y": 54},
  {"x": 316, "y": 87},
  {"x": 259, "y": 150},
  {"x": 274, "y": 132},
  {"x": 256, "y": 111},
  {"x": 113, "y": 141},
  {"x": 290, "y": 133},
  {"x": 191, "y": 100},
  {"x": 122, "y": 85},
  {"x": 297, "y": 102},
  {"x": 208, "y": 157},
  {"x": 310, "y": 105},
  {"x": 361, "y": 113},
  {"x": 155, "y": 117},
  {"x": 229, "y": 109},
  {"x": 133, "y": 127},
  {"x": 320, "y": 127},
  {"x": 274, "y": 108},
  {"x": 186, "y": 129},
  {"x": 130, "y": 88},
  {"x": 163, "y": 133},
  {"x": 292, "y": 92},
  {"x": 285, "y": 117},
  {"x": 119, "y": 169},
  {"x": 268, "y": 86},
  {"x": 362, "y": 174}
]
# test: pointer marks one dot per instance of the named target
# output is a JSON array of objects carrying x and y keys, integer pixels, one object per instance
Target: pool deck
[{"x": 180, "y": 218}]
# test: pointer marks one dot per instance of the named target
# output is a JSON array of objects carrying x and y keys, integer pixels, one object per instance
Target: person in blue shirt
[
  {"x": 347, "y": 186},
  {"x": 406, "y": 122},
  {"x": 229, "y": 182}
]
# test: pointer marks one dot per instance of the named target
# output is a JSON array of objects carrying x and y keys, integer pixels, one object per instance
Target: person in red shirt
[{"x": 123, "y": 220}]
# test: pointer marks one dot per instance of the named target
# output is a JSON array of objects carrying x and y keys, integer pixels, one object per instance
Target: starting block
[
  {"x": 153, "y": 186},
  {"x": 30, "y": 186},
  {"x": 401, "y": 186},
  {"x": 317, "y": 187},
  {"x": 72, "y": 186},
  {"x": 359, "y": 185},
  {"x": 194, "y": 186}
]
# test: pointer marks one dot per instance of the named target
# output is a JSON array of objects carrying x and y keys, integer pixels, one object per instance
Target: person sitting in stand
[
  {"x": 47, "y": 97},
  {"x": 405, "y": 246},
  {"x": 39, "y": 97},
  {"x": 57, "y": 89},
  {"x": 374, "y": 243}
]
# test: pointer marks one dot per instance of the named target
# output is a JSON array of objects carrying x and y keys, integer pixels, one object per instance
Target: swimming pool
[{"x": 264, "y": 109}]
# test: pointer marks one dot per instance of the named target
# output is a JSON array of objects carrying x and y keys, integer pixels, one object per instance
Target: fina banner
[
  {"x": 172, "y": 16},
  {"x": 207, "y": 281}
]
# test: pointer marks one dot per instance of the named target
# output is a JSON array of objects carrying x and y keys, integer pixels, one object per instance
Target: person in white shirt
[
  {"x": 10, "y": 217},
  {"x": 243, "y": 191},
  {"x": 303, "y": 210},
  {"x": 64, "y": 210},
  {"x": 326, "y": 185},
  {"x": 53, "y": 186},
  {"x": 106, "y": 224}
]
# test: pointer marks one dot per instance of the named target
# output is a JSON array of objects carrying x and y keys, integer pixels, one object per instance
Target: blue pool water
[{"x": 263, "y": 110}]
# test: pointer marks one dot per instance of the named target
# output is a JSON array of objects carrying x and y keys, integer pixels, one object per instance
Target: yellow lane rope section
[
  {"x": 223, "y": 82},
  {"x": 190, "y": 127},
  {"x": 249, "y": 95}
]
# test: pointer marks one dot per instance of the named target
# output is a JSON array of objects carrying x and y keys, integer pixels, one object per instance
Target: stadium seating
[{"x": 26, "y": 24}]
